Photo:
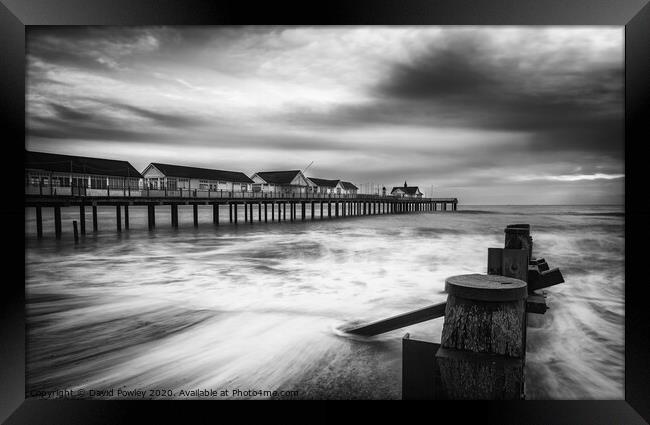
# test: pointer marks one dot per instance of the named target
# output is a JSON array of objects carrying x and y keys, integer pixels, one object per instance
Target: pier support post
[
  {"x": 126, "y": 216},
  {"x": 321, "y": 210},
  {"x": 302, "y": 210},
  {"x": 195, "y": 214},
  {"x": 266, "y": 205},
  {"x": 118, "y": 217},
  {"x": 259, "y": 211},
  {"x": 230, "y": 211},
  {"x": 82, "y": 219},
  {"x": 39, "y": 223},
  {"x": 284, "y": 211},
  {"x": 215, "y": 214},
  {"x": 312, "y": 210},
  {"x": 236, "y": 208},
  {"x": 75, "y": 231},
  {"x": 336, "y": 209},
  {"x": 151, "y": 215},
  {"x": 95, "y": 224},
  {"x": 364, "y": 208},
  {"x": 329, "y": 209},
  {"x": 245, "y": 212},
  {"x": 250, "y": 206},
  {"x": 57, "y": 222},
  {"x": 482, "y": 343},
  {"x": 173, "y": 208},
  {"x": 273, "y": 210}
]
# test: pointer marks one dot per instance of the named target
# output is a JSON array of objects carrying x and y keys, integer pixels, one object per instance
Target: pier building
[
  {"x": 282, "y": 182},
  {"x": 69, "y": 175},
  {"x": 170, "y": 177}
]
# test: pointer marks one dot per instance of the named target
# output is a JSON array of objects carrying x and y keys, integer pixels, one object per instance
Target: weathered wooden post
[
  {"x": 518, "y": 237},
  {"x": 245, "y": 212},
  {"x": 215, "y": 214},
  {"x": 118, "y": 217},
  {"x": 75, "y": 231},
  {"x": 259, "y": 211},
  {"x": 195, "y": 214},
  {"x": 483, "y": 338},
  {"x": 230, "y": 210},
  {"x": 126, "y": 216},
  {"x": 251, "y": 212}
]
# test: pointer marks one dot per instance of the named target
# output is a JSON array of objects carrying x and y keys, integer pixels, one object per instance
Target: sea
[{"x": 258, "y": 310}]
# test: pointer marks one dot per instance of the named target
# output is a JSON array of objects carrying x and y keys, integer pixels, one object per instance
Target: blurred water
[{"x": 258, "y": 306}]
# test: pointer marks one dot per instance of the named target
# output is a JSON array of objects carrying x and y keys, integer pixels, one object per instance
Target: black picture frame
[{"x": 15, "y": 15}]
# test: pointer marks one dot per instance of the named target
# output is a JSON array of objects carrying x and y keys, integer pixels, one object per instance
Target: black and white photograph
[{"x": 324, "y": 212}]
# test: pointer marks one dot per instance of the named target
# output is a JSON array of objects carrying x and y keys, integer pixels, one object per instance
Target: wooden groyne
[
  {"x": 260, "y": 208},
  {"x": 482, "y": 350}
]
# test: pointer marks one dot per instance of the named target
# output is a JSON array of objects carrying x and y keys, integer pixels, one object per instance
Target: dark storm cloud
[
  {"x": 95, "y": 124},
  {"x": 55, "y": 128},
  {"x": 461, "y": 84},
  {"x": 172, "y": 120},
  {"x": 91, "y": 48}
]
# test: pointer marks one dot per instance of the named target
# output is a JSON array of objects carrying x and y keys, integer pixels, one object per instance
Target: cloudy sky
[{"x": 492, "y": 115}]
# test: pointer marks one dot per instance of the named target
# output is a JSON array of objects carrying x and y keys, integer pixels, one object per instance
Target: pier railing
[{"x": 63, "y": 191}]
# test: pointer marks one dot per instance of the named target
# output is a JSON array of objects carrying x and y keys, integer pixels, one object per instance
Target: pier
[{"x": 258, "y": 207}]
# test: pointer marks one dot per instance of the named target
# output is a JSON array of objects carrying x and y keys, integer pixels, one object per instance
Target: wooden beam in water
[
  {"x": 400, "y": 321},
  {"x": 537, "y": 280},
  {"x": 536, "y": 304}
]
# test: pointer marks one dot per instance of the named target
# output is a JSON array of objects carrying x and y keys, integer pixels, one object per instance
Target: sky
[{"x": 490, "y": 115}]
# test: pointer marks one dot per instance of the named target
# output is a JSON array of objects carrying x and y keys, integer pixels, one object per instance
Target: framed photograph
[{"x": 433, "y": 201}]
